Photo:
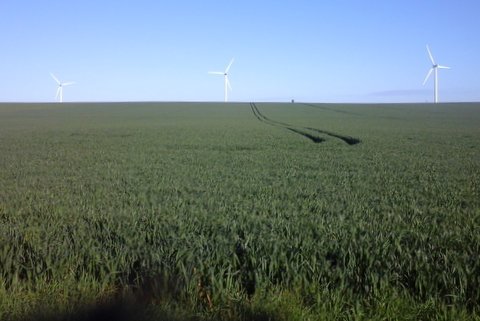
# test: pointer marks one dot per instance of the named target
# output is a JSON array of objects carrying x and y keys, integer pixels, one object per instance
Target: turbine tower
[
  {"x": 60, "y": 84},
  {"x": 434, "y": 68},
  {"x": 225, "y": 75}
]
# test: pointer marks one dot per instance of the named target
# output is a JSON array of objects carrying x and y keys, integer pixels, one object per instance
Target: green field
[{"x": 210, "y": 211}]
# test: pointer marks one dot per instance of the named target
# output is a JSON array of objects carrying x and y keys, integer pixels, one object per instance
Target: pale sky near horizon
[{"x": 318, "y": 51}]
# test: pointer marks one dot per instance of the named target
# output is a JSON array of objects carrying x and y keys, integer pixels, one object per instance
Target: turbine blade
[
  {"x": 228, "y": 83},
  {"x": 68, "y": 83},
  {"x": 443, "y": 67},
  {"x": 55, "y": 78},
  {"x": 58, "y": 92},
  {"x": 430, "y": 55},
  {"x": 229, "y": 65},
  {"x": 428, "y": 75},
  {"x": 216, "y": 73}
]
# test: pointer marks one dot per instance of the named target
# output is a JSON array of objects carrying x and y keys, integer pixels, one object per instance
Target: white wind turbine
[
  {"x": 225, "y": 75},
  {"x": 60, "y": 84},
  {"x": 434, "y": 68}
]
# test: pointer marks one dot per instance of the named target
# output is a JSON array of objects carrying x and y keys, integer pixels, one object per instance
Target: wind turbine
[
  {"x": 434, "y": 68},
  {"x": 60, "y": 87},
  {"x": 225, "y": 75}
]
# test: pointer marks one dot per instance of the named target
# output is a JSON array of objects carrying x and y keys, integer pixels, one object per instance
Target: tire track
[
  {"x": 301, "y": 131},
  {"x": 313, "y": 138},
  {"x": 347, "y": 139},
  {"x": 270, "y": 122}
]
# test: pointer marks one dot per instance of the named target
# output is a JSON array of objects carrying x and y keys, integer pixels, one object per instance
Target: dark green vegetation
[{"x": 239, "y": 212}]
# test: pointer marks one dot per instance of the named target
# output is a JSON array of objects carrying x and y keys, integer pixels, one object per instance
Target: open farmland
[{"x": 202, "y": 211}]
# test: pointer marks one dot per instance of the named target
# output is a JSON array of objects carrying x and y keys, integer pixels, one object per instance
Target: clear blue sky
[{"x": 323, "y": 51}]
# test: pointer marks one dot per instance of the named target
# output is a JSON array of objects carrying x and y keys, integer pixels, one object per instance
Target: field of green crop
[{"x": 205, "y": 211}]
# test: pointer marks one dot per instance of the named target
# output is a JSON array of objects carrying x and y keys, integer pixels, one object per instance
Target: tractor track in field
[
  {"x": 347, "y": 139},
  {"x": 302, "y": 130},
  {"x": 268, "y": 121}
]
